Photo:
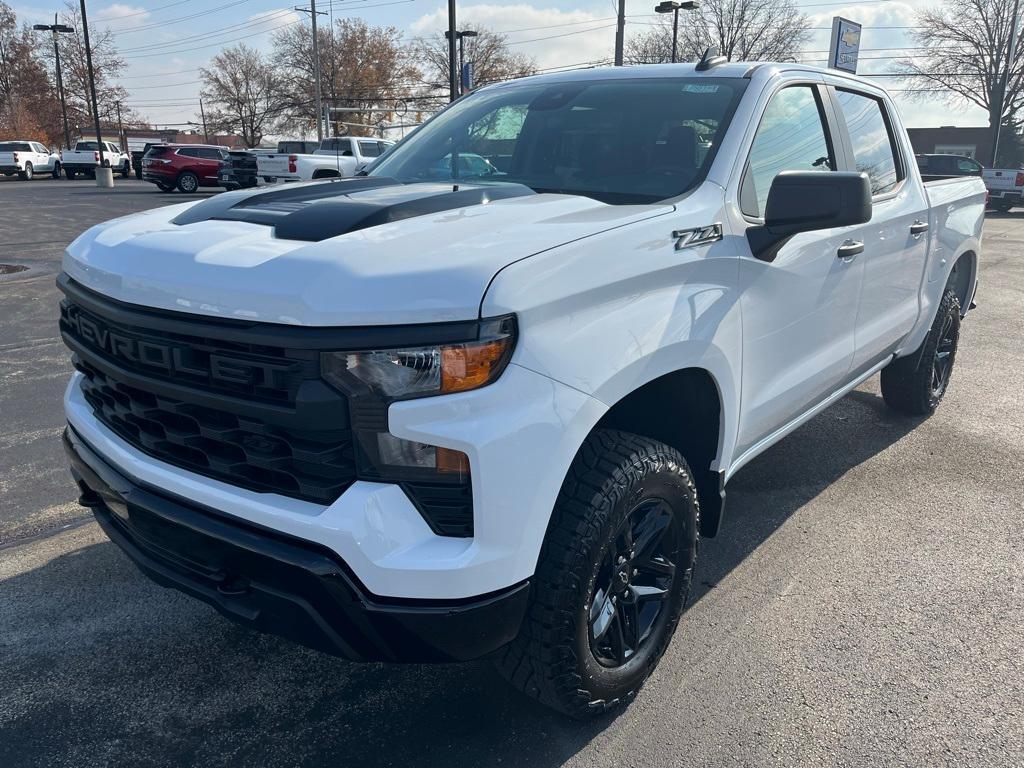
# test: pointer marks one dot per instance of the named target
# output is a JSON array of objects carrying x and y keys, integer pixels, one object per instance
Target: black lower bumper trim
[{"x": 279, "y": 584}]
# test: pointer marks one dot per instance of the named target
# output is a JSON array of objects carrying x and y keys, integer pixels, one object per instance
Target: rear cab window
[{"x": 871, "y": 138}]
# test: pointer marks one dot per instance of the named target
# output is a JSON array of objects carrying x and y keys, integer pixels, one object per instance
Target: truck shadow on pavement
[{"x": 99, "y": 666}]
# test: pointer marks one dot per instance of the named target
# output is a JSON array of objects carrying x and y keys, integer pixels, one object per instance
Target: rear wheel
[
  {"x": 70, "y": 173},
  {"x": 164, "y": 187},
  {"x": 915, "y": 384},
  {"x": 26, "y": 175},
  {"x": 188, "y": 182},
  {"x": 612, "y": 579}
]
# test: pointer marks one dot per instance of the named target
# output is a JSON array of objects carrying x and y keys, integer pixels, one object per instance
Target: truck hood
[{"x": 373, "y": 252}]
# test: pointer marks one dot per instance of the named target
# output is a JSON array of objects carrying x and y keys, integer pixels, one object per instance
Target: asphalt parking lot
[{"x": 863, "y": 605}]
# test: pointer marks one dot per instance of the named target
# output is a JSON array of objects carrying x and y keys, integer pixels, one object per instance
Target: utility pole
[
  {"x": 313, "y": 13},
  {"x": 57, "y": 28},
  {"x": 620, "y": 33},
  {"x": 202, "y": 113},
  {"x": 452, "y": 92},
  {"x": 1001, "y": 103},
  {"x": 120, "y": 127},
  {"x": 92, "y": 82}
]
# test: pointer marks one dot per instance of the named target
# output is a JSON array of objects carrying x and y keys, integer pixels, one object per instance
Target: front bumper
[{"x": 283, "y": 585}]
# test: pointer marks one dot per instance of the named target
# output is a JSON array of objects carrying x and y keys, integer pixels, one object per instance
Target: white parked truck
[
  {"x": 335, "y": 158},
  {"x": 1005, "y": 187},
  {"x": 85, "y": 159},
  {"x": 432, "y": 415},
  {"x": 26, "y": 159}
]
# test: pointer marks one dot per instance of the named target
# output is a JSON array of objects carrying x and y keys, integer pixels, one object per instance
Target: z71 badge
[{"x": 687, "y": 238}]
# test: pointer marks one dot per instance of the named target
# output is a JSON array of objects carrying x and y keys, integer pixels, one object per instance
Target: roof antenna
[{"x": 710, "y": 59}]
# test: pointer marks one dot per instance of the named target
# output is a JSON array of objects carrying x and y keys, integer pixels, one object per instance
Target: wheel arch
[
  {"x": 326, "y": 173},
  {"x": 683, "y": 409},
  {"x": 962, "y": 278}
]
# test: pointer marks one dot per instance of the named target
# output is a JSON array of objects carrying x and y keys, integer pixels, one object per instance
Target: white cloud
[
  {"x": 553, "y": 37},
  {"x": 122, "y": 16}
]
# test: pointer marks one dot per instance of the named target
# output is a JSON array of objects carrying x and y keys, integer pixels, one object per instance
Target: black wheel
[
  {"x": 164, "y": 187},
  {"x": 138, "y": 174},
  {"x": 188, "y": 182},
  {"x": 56, "y": 171},
  {"x": 26, "y": 175},
  {"x": 126, "y": 170},
  {"x": 230, "y": 187},
  {"x": 1002, "y": 206},
  {"x": 916, "y": 383},
  {"x": 70, "y": 173},
  {"x": 612, "y": 578}
]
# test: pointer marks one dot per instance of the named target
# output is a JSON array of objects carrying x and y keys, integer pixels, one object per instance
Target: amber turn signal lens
[
  {"x": 468, "y": 366},
  {"x": 451, "y": 462}
]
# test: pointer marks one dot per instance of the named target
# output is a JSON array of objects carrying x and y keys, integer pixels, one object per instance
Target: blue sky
[{"x": 164, "y": 42}]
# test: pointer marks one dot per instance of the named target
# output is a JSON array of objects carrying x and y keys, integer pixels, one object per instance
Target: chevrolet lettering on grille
[{"x": 170, "y": 359}]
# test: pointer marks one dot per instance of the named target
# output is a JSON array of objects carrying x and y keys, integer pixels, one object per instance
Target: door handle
[
  {"x": 849, "y": 249},
  {"x": 918, "y": 228}
]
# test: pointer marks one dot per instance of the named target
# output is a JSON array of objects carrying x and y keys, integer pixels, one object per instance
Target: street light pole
[
  {"x": 673, "y": 7},
  {"x": 92, "y": 83},
  {"x": 57, "y": 28},
  {"x": 461, "y": 35}
]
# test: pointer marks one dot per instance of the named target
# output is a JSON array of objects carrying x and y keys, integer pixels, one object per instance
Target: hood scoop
[{"x": 322, "y": 210}]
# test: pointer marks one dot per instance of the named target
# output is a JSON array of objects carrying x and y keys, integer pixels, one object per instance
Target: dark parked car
[
  {"x": 185, "y": 166},
  {"x": 238, "y": 171},
  {"x": 935, "y": 167},
  {"x": 137, "y": 156}
]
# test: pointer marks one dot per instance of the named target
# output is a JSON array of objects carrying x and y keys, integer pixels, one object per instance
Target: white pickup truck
[
  {"x": 1005, "y": 187},
  {"x": 26, "y": 159},
  {"x": 335, "y": 158},
  {"x": 85, "y": 158},
  {"x": 431, "y": 416}
]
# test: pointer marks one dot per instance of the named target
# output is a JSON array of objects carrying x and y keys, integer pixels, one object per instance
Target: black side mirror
[{"x": 805, "y": 201}]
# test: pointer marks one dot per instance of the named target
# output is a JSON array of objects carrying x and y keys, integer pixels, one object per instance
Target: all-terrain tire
[
  {"x": 553, "y": 659},
  {"x": 915, "y": 384}
]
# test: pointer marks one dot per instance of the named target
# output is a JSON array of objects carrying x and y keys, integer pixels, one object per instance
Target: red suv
[{"x": 185, "y": 166}]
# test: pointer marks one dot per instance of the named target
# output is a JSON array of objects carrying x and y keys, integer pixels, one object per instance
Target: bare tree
[
  {"x": 107, "y": 64},
  {"x": 964, "y": 46},
  {"x": 245, "y": 93},
  {"x": 493, "y": 60},
  {"x": 741, "y": 30},
  {"x": 28, "y": 108},
  {"x": 361, "y": 67}
]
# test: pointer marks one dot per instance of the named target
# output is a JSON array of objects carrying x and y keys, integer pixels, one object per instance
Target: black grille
[
  {"x": 240, "y": 402},
  {"x": 316, "y": 466},
  {"x": 257, "y": 371}
]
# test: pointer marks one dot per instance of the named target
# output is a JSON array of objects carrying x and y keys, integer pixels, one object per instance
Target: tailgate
[
  {"x": 7, "y": 158},
  {"x": 1003, "y": 179},
  {"x": 274, "y": 165},
  {"x": 80, "y": 157}
]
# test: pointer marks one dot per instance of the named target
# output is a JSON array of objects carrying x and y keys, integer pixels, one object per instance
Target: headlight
[
  {"x": 402, "y": 373},
  {"x": 436, "y": 479}
]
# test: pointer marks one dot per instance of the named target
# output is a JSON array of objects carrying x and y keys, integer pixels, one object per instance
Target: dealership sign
[{"x": 845, "y": 44}]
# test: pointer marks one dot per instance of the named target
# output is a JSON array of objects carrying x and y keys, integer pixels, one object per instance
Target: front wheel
[
  {"x": 56, "y": 171},
  {"x": 612, "y": 578},
  {"x": 26, "y": 175},
  {"x": 916, "y": 383},
  {"x": 126, "y": 170}
]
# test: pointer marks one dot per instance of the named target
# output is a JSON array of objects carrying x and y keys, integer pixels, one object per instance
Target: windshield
[{"x": 619, "y": 141}]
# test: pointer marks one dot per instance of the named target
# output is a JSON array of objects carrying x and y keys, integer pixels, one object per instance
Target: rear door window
[
  {"x": 369, "y": 149},
  {"x": 790, "y": 137},
  {"x": 873, "y": 149}
]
